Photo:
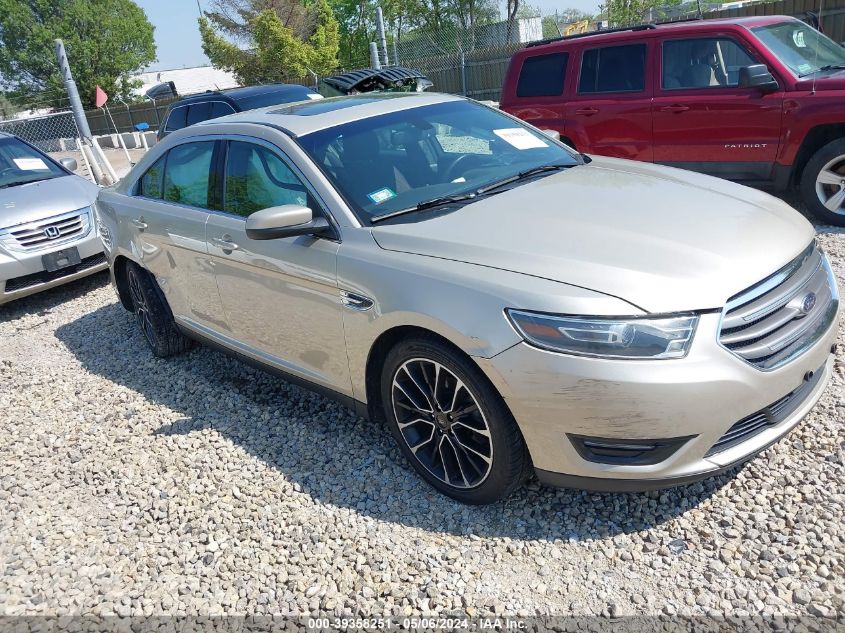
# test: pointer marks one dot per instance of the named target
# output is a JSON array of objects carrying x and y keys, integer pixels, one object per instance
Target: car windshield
[
  {"x": 20, "y": 164},
  {"x": 387, "y": 163},
  {"x": 800, "y": 47}
]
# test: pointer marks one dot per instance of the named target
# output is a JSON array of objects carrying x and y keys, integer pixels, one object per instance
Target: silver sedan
[{"x": 505, "y": 305}]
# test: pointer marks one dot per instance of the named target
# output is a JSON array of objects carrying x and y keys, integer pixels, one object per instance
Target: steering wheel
[
  {"x": 6, "y": 170},
  {"x": 450, "y": 171}
]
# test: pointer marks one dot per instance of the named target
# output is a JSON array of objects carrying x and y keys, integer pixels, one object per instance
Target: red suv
[{"x": 758, "y": 100}]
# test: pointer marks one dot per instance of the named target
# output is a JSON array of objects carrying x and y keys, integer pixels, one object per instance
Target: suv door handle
[
  {"x": 674, "y": 108},
  {"x": 225, "y": 244},
  {"x": 139, "y": 223},
  {"x": 587, "y": 111}
]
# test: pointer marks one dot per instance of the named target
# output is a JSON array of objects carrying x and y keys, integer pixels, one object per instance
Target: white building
[{"x": 188, "y": 80}]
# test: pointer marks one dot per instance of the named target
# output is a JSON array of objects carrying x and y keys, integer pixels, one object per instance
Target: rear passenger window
[
  {"x": 542, "y": 76},
  {"x": 613, "y": 69},
  {"x": 177, "y": 118},
  {"x": 198, "y": 112},
  {"x": 186, "y": 174},
  {"x": 150, "y": 185}
]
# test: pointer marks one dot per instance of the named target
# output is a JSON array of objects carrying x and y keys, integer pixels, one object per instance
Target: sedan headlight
[{"x": 649, "y": 338}]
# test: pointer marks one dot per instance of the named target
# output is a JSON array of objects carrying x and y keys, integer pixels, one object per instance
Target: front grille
[
  {"x": 775, "y": 413},
  {"x": 777, "y": 319},
  {"x": 37, "y": 279},
  {"x": 46, "y": 233}
]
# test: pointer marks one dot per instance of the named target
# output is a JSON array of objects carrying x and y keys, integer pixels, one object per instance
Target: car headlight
[{"x": 633, "y": 337}]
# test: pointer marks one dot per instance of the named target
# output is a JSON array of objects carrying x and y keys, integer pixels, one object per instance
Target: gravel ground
[{"x": 198, "y": 485}]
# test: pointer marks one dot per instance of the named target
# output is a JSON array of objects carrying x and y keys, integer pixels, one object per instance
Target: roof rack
[{"x": 619, "y": 29}]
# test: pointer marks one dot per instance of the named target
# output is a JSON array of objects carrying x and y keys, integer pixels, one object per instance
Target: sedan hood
[
  {"x": 43, "y": 199},
  {"x": 662, "y": 239}
]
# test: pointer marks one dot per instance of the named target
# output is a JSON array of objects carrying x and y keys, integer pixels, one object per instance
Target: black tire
[
  {"x": 830, "y": 158},
  {"x": 460, "y": 440},
  {"x": 153, "y": 315}
]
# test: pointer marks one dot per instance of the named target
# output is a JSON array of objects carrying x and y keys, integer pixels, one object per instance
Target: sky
[{"x": 178, "y": 39}]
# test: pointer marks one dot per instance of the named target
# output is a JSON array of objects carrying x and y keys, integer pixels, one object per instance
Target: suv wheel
[
  {"x": 153, "y": 314},
  {"x": 823, "y": 183},
  {"x": 451, "y": 424}
]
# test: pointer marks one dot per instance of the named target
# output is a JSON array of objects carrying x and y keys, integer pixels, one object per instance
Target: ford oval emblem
[{"x": 808, "y": 302}]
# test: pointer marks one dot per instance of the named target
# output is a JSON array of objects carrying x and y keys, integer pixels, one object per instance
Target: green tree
[
  {"x": 106, "y": 41},
  {"x": 629, "y": 12},
  {"x": 273, "y": 51}
]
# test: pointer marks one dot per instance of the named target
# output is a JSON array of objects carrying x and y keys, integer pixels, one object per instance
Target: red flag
[{"x": 101, "y": 97}]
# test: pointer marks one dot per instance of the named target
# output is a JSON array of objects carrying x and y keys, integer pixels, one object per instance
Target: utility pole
[
  {"x": 382, "y": 36},
  {"x": 90, "y": 149},
  {"x": 72, "y": 92}
]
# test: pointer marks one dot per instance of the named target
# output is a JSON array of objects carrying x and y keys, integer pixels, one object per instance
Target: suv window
[
  {"x": 220, "y": 108},
  {"x": 256, "y": 179},
  {"x": 613, "y": 69},
  {"x": 186, "y": 173},
  {"x": 198, "y": 112},
  {"x": 712, "y": 62},
  {"x": 176, "y": 119},
  {"x": 542, "y": 75},
  {"x": 150, "y": 185}
]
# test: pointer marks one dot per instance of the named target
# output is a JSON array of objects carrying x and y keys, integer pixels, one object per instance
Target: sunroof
[{"x": 321, "y": 106}]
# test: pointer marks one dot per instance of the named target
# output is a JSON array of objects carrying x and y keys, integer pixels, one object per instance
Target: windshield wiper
[
  {"x": 426, "y": 204},
  {"x": 824, "y": 69},
  {"x": 15, "y": 183},
  {"x": 528, "y": 173},
  {"x": 463, "y": 197}
]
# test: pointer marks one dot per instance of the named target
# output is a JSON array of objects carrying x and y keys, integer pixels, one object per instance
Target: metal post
[
  {"x": 155, "y": 111},
  {"x": 381, "y": 36},
  {"x": 463, "y": 74},
  {"x": 395, "y": 53},
  {"x": 72, "y": 92},
  {"x": 374, "y": 60}
]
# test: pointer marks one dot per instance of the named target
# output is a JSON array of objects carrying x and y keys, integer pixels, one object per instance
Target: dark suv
[
  {"x": 213, "y": 104},
  {"x": 757, "y": 100}
]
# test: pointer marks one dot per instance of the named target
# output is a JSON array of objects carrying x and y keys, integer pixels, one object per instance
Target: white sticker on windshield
[
  {"x": 520, "y": 138},
  {"x": 30, "y": 164}
]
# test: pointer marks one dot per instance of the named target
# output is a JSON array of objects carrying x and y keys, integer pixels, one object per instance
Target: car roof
[
  {"x": 242, "y": 93},
  {"x": 650, "y": 30},
  {"x": 304, "y": 117}
]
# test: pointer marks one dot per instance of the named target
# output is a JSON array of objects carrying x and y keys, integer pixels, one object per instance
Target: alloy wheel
[
  {"x": 442, "y": 424},
  {"x": 142, "y": 310},
  {"x": 830, "y": 185}
]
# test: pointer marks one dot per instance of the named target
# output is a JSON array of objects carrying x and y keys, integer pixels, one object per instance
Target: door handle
[
  {"x": 225, "y": 243},
  {"x": 674, "y": 108},
  {"x": 139, "y": 223},
  {"x": 587, "y": 111}
]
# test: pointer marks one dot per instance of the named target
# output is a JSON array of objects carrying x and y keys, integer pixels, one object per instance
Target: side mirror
[
  {"x": 757, "y": 76},
  {"x": 68, "y": 163},
  {"x": 287, "y": 220},
  {"x": 552, "y": 134}
]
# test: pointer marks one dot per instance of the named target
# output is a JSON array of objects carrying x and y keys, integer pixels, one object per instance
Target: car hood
[
  {"x": 45, "y": 198},
  {"x": 663, "y": 239}
]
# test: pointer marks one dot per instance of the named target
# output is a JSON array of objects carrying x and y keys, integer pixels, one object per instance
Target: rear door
[
  {"x": 538, "y": 95},
  {"x": 703, "y": 120},
  {"x": 610, "y": 110},
  {"x": 166, "y": 219}
]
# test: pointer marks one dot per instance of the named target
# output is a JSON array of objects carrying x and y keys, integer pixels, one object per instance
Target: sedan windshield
[
  {"x": 21, "y": 164},
  {"x": 801, "y": 48},
  {"x": 426, "y": 156}
]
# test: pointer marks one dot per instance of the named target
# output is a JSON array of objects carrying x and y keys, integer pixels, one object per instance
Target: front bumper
[
  {"x": 700, "y": 397},
  {"x": 22, "y": 273}
]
